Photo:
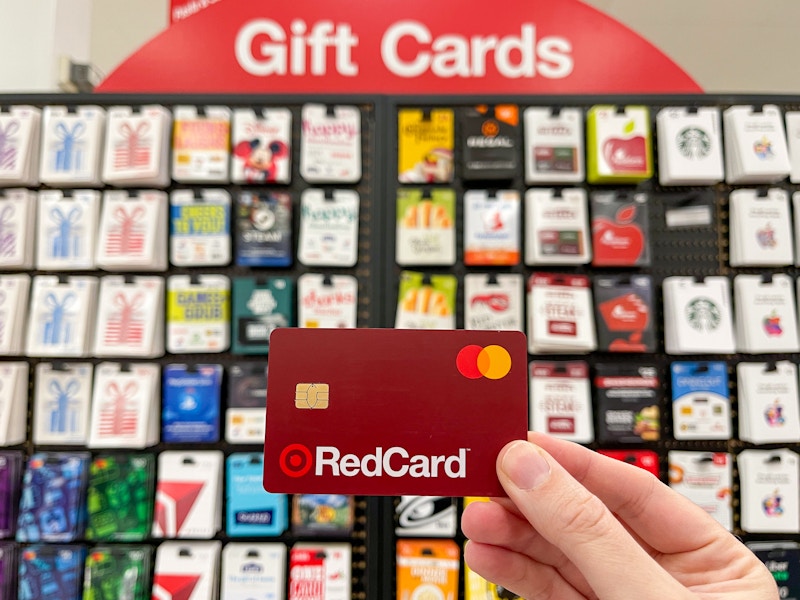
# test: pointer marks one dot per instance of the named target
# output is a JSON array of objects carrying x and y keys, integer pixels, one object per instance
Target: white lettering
[
  {"x": 394, "y": 462},
  {"x": 555, "y": 54},
  {"x": 349, "y": 465},
  {"x": 387, "y": 462},
  {"x": 331, "y": 461},
  {"x": 525, "y": 46},
  {"x": 273, "y": 56},
  {"x": 391, "y": 41}
]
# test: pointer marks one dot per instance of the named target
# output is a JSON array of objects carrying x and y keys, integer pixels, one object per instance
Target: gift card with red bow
[
  {"x": 125, "y": 405},
  {"x": 624, "y": 307},
  {"x": 130, "y": 317},
  {"x": 392, "y": 412},
  {"x": 133, "y": 231},
  {"x": 137, "y": 146},
  {"x": 262, "y": 146}
]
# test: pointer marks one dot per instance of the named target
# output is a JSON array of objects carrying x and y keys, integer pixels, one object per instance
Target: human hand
[{"x": 578, "y": 525}]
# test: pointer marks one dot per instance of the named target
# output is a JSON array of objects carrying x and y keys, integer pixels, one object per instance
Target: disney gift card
[{"x": 392, "y": 412}]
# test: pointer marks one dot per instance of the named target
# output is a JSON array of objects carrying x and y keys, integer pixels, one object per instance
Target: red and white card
[
  {"x": 133, "y": 231},
  {"x": 560, "y": 314},
  {"x": 186, "y": 571},
  {"x": 130, "y": 317}
]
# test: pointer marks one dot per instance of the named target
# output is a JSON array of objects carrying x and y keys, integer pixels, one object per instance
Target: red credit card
[{"x": 391, "y": 411}]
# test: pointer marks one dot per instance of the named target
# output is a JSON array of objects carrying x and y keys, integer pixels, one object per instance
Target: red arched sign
[{"x": 399, "y": 47}]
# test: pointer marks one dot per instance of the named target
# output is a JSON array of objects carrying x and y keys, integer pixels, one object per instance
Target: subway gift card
[{"x": 392, "y": 412}]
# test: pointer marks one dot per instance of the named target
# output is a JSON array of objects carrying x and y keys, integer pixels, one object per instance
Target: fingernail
[{"x": 524, "y": 466}]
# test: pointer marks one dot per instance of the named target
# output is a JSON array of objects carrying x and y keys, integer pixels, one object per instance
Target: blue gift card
[
  {"x": 51, "y": 572},
  {"x": 52, "y": 506},
  {"x": 191, "y": 409},
  {"x": 706, "y": 377},
  {"x": 251, "y": 511}
]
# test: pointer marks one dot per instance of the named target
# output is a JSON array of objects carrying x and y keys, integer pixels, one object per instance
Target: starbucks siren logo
[
  {"x": 694, "y": 143},
  {"x": 703, "y": 314}
]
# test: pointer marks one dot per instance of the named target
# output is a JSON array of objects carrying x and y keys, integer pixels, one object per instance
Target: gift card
[
  {"x": 644, "y": 459},
  {"x": 262, "y": 146},
  {"x": 191, "y": 403},
  {"x": 701, "y": 404},
  {"x": 51, "y": 571},
  {"x": 561, "y": 400},
  {"x": 426, "y": 516},
  {"x": 245, "y": 415},
  {"x": 425, "y": 142},
  {"x": 620, "y": 230},
  {"x": 320, "y": 571},
  {"x": 490, "y": 142},
  {"x": 426, "y": 227},
  {"x": 426, "y": 301},
  {"x": 556, "y": 227},
  {"x": 706, "y": 478},
  {"x": 493, "y": 301},
  {"x": 553, "y": 145},
  {"x": 427, "y": 568},
  {"x": 330, "y": 149},
  {"x": 452, "y": 377},
  {"x": 250, "y": 511},
  {"x": 624, "y": 311},
  {"x": 323, "y": 514},
  {"x": 327, "y": 300},
  {"x": 200, "y": 228},
  {"x": 627, "y": 400},
  {"x": 264, "y": 229},
  {"x": 328, "y": 228},
  {"x": 260, "y": 305},
  {"x": 782, "y": 558},
  {"x": 10, "y": 480},
  {"x": 253, "y": 571},
  {"x": 118, "y": 573},
  {"x": 492, "y": 227}
]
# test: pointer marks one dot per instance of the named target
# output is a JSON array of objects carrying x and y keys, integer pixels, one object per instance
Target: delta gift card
[{"x": 392, "y": 412}]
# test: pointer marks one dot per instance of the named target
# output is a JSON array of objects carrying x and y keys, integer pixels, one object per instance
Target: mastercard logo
[
  {"x": 492, "y": 362},
  {"x": 295, "y": 460}
]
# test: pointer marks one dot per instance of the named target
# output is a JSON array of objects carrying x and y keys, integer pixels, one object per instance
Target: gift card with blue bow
[
  {"x": 62, "y": 395},
  {"x": 19, "y": 145},
  {"x": 71, "y": 145},
  {"x": 61, "y": 316},
  {"x": 53, "y": 503},
  {"x": 47, "y": 572},
  {"x": 17, "y": 229},
  {"x": 67, "y": 230}
]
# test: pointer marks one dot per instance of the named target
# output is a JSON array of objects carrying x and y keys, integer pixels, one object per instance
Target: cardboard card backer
[
  {"x": 320, "y": 571},
  {"x": 130, "y": 317},
  {"x": 62, "y": 397},
  {"x": 323, "y": 514},
  {"x": 492, "y": 227},
  {"x": 561, "y": 400},
  {"x": 426, "y": 301},
  {"x": 72, "y": 145},
  {"x": 66, "y": 231},
  {"x": 264, "y": 229},
  {"x": 262, "y": 146},
  {"x": 253, "y": 571},
  {"x": 327, "y": 301},
  {"x": 493, "y": 301},
  {"x": 490, "y": 142},
  {"x": 260, "y": 306},
  {"x": 427, "y": 568},
  {"x": 47, "y": 571},
  {"x": 425, "y": 141},
  {"x": 198, "y": 313},
  {"x": 426, "y": 231},
  {"x": 618, "y": 144},
  {"x": 330, "y": 150},
  {"x": 191, "y": 403},
  {"x": 624, "y": 312},
  {"x": 310, "y": 440},
  {"x": 701, "y": 405},
  {"x": 769, "y": 490},
  {"x": 186, "y": 571},
  {"x": 620, "y": 230},
  {"x": 245, "y": 417},
  {"x": 137, "y": 146},
  {"x": 706, "y": 478},
  {"x": 553, "y": 145},
  {"x": 426, "y": 516},
  {"x": 200, "y": 228},
  {"x": 556, "y": 227},
  {"x": 58, "y": 321},
  {"x": 250, "y": 511},
  {"x": 328, "y": 228},
  {"x": 628, "y": 403},
  {"x": 201, "y": 144}
]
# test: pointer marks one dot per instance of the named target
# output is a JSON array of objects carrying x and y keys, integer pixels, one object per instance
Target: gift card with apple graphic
[
  {"x": 618, "y": 144},
  {"x": 620, "y": 229}
]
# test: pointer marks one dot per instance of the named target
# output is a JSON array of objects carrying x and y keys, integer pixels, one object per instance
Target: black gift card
[
  {"x": 247, "y": 385},
  {"x": 624, "y": 313},
  {"x": 628, "y": 403},
  {"x": 264, "y": 229},
  {"x": 490, "y": 142}
]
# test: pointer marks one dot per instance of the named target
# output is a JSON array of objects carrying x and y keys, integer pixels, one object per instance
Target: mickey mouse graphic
[{"x": 262, "y": 161}]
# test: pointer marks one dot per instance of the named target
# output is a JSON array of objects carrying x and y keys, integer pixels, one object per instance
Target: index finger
[{"x": 641, "y": 502}]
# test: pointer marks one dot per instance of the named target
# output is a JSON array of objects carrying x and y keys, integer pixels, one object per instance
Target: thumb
[{"x": 578, "y": 523}]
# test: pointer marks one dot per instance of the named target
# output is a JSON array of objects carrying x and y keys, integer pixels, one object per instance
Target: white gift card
[
  {"x": 19, "y": 145},
  {"x": 125, "y": 405},
  {"x": 327, "y": 301},
  {"x": 198, "y": 313},
  {"x": 755, "y": 145},
  {"x": 61, "y": 316},
  {"x": 494, "y": 301},
  {"x": 186, "y": 571},
  {"x": 200, "y": 228},
  {"x": 137, "y": 146},
  {"x": 330, "y": 147},
  {"x": 67, "y": 230},
  {"x": 130, "y": 317},
  {"x": 72, "y": 145},
  {"x": 701, "y": 404},
  {"x": 201, "y": 144},
  {"x": 793, "y": 139},
  {"x": 760, "y": 228},
  {"x": 766, "y": 314},
  {"x": 17, "y": 229},
  {"x": 13, "y": 402},
  {"x": 553, "y": 145},
  {"x": 769, "y": 407},
  {"x": 689, "y": 146},
  {"x": 61, "y": 405},
  {"x": 426, "y": 516},
  {"x": 705, "y": 478},
  {"x": 253, "y": 571},
  {"x": 328, "y": 228},
  {"x": 560, "y": 314},
  {"x": 262, "y": 146},
  {"x": 492, "y": 227},
  {"x": 133, "y": 232},
  {"x": 769, "y": 481},
  {"x": 557, "y": 227},
  {"x": 698, "y": 318},
  {"x": 188, "y": 494},
  {"x": 14, "y": 293},
  {"x": 561, "y": 400}
]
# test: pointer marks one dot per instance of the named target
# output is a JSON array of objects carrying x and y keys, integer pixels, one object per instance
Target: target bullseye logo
[
  {"x": 492, "y": 362},
  {"x": 295, "y": 460}
]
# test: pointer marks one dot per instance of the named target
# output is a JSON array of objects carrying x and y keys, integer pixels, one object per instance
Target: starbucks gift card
[
  {"x": 769, "y": 406},
  {"x": 557, "y": 227},
  {"x": 760, "y": 228},
  {"x": 490, "y": 142},
  {"x": 553, "y": 145},
  {"x": 689, "y": 146},
  {"x": 426, "y": 227},
  {"x": 766, "y": 314},
  {"x": 698, "y": 317},
  {"x": 425, "y": 141},
  {"x": 701, "y": 404}
]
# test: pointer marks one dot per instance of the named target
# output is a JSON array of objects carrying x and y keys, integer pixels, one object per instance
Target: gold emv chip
[{"x": 311, "y": 395}]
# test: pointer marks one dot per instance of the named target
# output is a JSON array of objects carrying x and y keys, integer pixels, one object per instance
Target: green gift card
[
  {"x": 120, "y": 497},
  {"x": 259, "y": 306},
  {"x": 118, "y": 573}
]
